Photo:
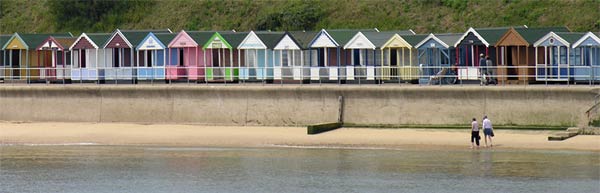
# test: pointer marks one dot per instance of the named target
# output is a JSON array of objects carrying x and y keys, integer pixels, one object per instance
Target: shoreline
[{"x": 185, "y": 135}]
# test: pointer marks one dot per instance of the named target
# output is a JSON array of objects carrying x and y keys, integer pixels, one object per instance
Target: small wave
[
  {"x": 48, "y": 144},
  {"x": 331, "y": 147}
]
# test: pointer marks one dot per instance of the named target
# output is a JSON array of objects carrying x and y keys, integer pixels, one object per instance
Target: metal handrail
[{"x": 540, "y": 73}]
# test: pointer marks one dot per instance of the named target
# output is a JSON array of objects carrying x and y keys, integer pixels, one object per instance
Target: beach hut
[
  {"x": 400, "y": 54},
  {"x": 122, "y": 43},
  {"x": 328, "y": 50},
  {"x": 151, "y": 56},
  {"x": 364, "y": 52},
  {"x": 473, "y": 43},
  {"x": 586, "y": 58},
  {"x": 222, "y": 56},
  {"x": 185, "y": 56},
  {"x": 435, "y": 53},
  {"x": 4, "y": 57},
  {"x": 259, "y": 55},
  {"x": 54, "y": 58},
  {"x": 516, "y": 54},
  {"x": 89, "y": 57},
  {"x": 24, "y": 55},
  {"x": 552, "y": 56},
  {"x": 294, "y": 56}
]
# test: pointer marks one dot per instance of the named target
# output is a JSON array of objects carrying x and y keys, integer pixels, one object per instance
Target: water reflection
[{"x": 151, "y": 169}]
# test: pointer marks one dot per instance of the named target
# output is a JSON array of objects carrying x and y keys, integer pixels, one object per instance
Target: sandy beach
[{"x": 48, "y": 133}]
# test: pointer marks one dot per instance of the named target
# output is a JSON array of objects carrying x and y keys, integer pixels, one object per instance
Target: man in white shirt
[{"x": 488, "y": 131}]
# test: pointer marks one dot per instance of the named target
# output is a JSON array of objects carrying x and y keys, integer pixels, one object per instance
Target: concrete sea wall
[{"x": 296, "y": 105}]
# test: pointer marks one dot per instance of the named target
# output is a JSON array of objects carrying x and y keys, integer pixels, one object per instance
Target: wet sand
[{"x": 251, "y": 136}]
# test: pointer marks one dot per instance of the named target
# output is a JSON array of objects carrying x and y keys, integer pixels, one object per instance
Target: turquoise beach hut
[
  {"x": 259, "y": 55},
  {"x": 151, "y": 56},
  {"x": 434, "y": 53}
]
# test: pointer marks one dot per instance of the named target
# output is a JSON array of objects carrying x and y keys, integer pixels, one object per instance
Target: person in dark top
[{"x": 483, "y": 69}]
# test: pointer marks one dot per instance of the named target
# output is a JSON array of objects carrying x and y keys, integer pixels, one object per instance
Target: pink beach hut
[{"x": 185, "y": 55}]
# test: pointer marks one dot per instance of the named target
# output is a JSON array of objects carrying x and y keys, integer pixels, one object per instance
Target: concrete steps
[{"x": 570, "y": 132}]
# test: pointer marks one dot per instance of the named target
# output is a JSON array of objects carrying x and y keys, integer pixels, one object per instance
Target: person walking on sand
[
  {"x": 488, "y": 131},
  {"x": 474, "y": 133}
]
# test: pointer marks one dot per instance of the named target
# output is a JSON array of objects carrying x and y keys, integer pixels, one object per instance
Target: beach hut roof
[
  {"x": 595, "y": 40},
  {"x": 234, "y": 38},
  {"x": 489, "y": 36},
  {"x": 32, "y": 40},
  {"x": 413, "y": 40},
  {"x": 565, "y": 38},
  {"x": 446, "y": 40},
  {"x": 165, "y": 38},
  {"x": 531, "y": 35},
  {"x": 61, "y": 42},
  {"x": 303, "y": 38},
  {"x": 380, "y": 38},
  {"x": 570, "y": 37},
  {"x": 133, "y": 37},
  {"x": 343, "y": 36},
  {"x": 4, "y": 39},
  {"x": 65, "y": 42},
  {"x": 136, "y": 36},
  {"x": 200, "y": 37},
  {"x": 159, "y": 40},
  {"x": 270, "y": 39},
  {"x": 99, "y": 38},
  {"x": 96, "y": 39}
]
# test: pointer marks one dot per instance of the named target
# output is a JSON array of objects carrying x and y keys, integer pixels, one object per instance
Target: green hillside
[{"x": 423, "y": 16}]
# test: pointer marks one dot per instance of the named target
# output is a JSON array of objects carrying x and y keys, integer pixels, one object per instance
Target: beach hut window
[
  {"x": 181, "y": 58},
  {"x": 563, "y": 54},
  {"x": 15, "y": 58},
  {"x": 2, "y": 58},
  {"x": 285, "y": 58},
  {"x": 116, "y": 58},
  {"x": 251, "y": 58},
  {"x": 68, "y": 58},
  {"x": 370, "y": 57},
  {"x": 356, "y": 57},
  {"x": 59, "y": 58},
  {"x": 576, "y": 57},
  {"x": 585, "y": 55},
  {"x": 82, "y": 55},
  {"x": 149, "y": 57}
]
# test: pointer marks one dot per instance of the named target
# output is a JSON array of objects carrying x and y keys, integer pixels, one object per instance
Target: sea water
[{"x": 94, "y": 168}]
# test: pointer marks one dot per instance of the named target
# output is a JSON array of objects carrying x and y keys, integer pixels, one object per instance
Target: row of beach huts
[{"x": 519, "y": 54}]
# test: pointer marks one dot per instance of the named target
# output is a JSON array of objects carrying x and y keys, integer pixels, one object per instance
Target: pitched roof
[
  {"x": 380, "y": 38},
  {"x": 33, "y": 40},
  {"x": 449, "y": 39},
  {"x": 570, "y": 37},
  {"x": 343, "y": 36},
  {"x": 99, "y": 38},
  {"x": 4, "y": 39},
  {"x": 531, "y": 35},
  {"x": 234, "y": 38},
  {"x": 65, "y": 42},
  {"x": 200, "y": 37},
  {"x": 413, "y": 40},
  {"x": 136, "y": 36},
  {"x": 165, "y": 38},
  {"x": 492, "y": 35},
  {"x": 270, "y": 39},
  {"x": 303, "y": 38}
]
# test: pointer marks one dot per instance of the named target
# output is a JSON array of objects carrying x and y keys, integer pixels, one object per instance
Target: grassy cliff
[{"x": 423, "y": 16}]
